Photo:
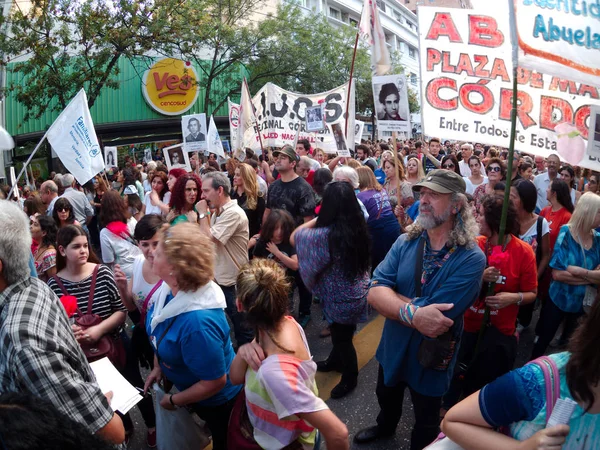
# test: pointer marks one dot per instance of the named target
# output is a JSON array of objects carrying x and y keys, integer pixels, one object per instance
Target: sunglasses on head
[{"x": 494, "y": 169}]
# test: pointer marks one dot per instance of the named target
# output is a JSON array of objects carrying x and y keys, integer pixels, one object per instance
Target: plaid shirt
[{"x": 39, "y": 355}]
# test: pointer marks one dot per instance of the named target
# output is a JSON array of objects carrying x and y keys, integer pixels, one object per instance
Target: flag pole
[
  {"x": 511, "y": 152},
  {"x": 27, "y": 163},
  {"x": 350, "y": 82}
]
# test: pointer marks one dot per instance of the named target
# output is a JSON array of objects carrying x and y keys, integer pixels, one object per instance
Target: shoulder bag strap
[
  {"x": 92, "y": 289},
  {"x": 60, "y": 285},
  {"x": 162, "y": 336},
  {"x": 538, "y": 250},
  {"x": 149, "y": 296},
  {"x": 419, "y": 265},
  {"x": 551, "y": 381}
]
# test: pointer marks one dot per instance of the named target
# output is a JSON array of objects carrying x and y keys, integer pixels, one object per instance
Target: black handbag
[{"x": 435, "y": 354}]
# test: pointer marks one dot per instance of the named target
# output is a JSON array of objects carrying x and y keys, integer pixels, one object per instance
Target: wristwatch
[{"x": 202, "y": 216}]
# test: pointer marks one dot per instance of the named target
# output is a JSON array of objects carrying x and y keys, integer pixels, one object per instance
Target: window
[
  {"x": 334, "y": 13},
  {"x": 397, "y": 16},
  {"x": 381, "y": 5},
  {"x": 413, "y": 78},
  {"x": 412, "y": 52},
  {"x": 353, "y": 22},
  {"x": 410, "y": 25}
]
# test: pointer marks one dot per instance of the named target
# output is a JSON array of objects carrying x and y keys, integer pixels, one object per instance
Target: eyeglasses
[
  {"x": 494, "y": 169},
  {"x": 448, "y": 166},
  {"x": 63, "y": 209}
]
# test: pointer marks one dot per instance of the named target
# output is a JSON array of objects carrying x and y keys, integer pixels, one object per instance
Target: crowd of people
[{"x": 410, "y": 230}]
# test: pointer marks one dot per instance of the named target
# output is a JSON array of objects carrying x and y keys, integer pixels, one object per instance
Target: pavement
[{"x": 359, "y": 409}]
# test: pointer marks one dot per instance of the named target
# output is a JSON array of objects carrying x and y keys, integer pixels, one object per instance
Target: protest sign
[
  {"x": 340, "y": 141},
  {"x": 74, "y": 140},
  {"x": 214, "y": 140},
  {"x": 560, "y": 37},
  {"x": 358, "y": 131},
  {"x": 110, "y": 157},
  {"x": 466, "y": 72},
  {"x": 593, "y": 148},
  {"x": 193, "y": 130},
  {"x": 391, "y": 103},
  {"x": 177, "y": 158},
  {"x": 314, "y": 118},
  {"x": 280, "y": 113},
  {"x": 234, "y": 115}
]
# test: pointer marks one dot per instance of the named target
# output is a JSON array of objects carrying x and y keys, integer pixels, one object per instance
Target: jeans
[
  {"x": 426, "y": 409},
  {"x": 217, "y": 420},
  {"x": 242, "y": 333},
  {"x": 550, "y": 319},
  {"x": 305, "y": 297},
  {"x": 131, "y": 372},
  {"x": 343, "y": 353}
]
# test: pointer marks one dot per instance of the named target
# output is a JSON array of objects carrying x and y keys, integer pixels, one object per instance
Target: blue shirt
[
  {"x": 196, "y": 347},
  {"x": 568, "y": 252},
  {"x": 380, "y": 175},
  {"x": 458, "y": 281}
]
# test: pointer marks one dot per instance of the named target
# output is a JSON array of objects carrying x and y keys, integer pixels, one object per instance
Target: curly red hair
[
  {"x": 178, "y": 194},
  {"x": 177, "y": 173}
]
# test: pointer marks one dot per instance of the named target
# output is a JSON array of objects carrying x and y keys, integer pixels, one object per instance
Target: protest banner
[
  {"x": 193, "y": 130},
  {"x": 247, "y": 130},
  {"x": 214, "y": 140},
  {"x": 466, "y": 73},
  {"x": 560, "y": 38},
  {"x": 234, "y": 115},
  {"x": 280, "y": 113},
  {"x": 391, "y": 103},
  {"x": 74, "y": 140}
]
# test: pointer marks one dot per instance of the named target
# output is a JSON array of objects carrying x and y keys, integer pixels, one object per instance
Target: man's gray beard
[{"x": 434, "y": 221}]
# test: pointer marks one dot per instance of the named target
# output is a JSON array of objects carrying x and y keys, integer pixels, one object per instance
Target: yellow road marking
[{"x": 365, "y": 342}]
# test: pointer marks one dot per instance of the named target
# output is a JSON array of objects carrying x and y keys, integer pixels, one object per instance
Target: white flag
[
  {"x": 371, "y": 31},
  {"x": 74, "y": 140},
  {"x": 214, "y": 140},
  {"x": 234, "y": 120},
  {"x": 246, "y": 133}
]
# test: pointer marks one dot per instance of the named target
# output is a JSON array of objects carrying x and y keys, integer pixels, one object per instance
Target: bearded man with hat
[{"x": 423, "y": 287}]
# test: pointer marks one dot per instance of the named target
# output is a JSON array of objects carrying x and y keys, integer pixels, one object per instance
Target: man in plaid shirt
[{"x": 40, "y": 355}]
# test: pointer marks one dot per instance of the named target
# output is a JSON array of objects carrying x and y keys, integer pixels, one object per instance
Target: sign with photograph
[
  {"x": 177, "y": 158},
  {"x": 560, "y": 38},
  {"x": 391, "y": 103},
  {"x": 593, "y": 147},
  {"x": 466, "y": 72},
  {"x": 340, "y": 140},
  {"x": 314, "y": 118},
  {"x": 193, "y": 130},
  {"x": 110, "y": 157},
  {"x": 358, "y": 131}
]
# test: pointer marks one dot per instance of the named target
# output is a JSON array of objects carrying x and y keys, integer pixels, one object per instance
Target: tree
[{"x": 61, "y": 46}]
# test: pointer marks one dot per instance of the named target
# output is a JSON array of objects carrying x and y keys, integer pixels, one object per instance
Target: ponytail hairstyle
[
  {"x": 583, "y": 368},
  {"x": 262, "y": 290}
]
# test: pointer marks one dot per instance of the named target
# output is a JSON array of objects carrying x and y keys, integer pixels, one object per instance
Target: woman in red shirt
[
  {"x": 515, "y": 273},
  {"x": 558, "y": 213}
]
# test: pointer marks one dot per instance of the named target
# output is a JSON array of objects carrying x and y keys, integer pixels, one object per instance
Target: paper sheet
[{"x": 125, "y": 396}]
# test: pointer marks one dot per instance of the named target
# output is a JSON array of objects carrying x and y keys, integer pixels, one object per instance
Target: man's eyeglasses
[{"x": 494, "y": 169}]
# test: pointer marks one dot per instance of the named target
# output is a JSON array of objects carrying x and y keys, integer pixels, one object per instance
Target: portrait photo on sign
[
  {"x": 314, "y": 118},
  {"x": 391, "y": 103},
  {"x": 110, "y": 157},
  {"x": 593, "y": 147},
  {"x": 358, "y": 131},
  {"x": 337, "y": 131},
  {"x": 193, "y": 130},
  {"x": 177, "y": 158}
]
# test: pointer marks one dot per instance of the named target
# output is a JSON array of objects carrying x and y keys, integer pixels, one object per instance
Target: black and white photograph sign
[
  {"x": 193, "y": 129},
  {"x": 391, "y": 103},
  {"x": 176, "y": 158},
  {"x": 314, "y": 118},
  {"x": 340, "y": 140},
  {"x": 110, "y": 157},
  {"x": 358, "y": 131},
  {"x": 593, "y": 147}
]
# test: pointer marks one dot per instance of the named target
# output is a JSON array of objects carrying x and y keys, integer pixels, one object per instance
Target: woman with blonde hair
[
  {"x": 245, "y": 192},
  {"x": 382, "y": 223},
  {"x": 188, "y": 329},
  {"x": 574, "y": 271},
  {"x": 281, "y": 406},
  {"x": 397, "y": 187}
]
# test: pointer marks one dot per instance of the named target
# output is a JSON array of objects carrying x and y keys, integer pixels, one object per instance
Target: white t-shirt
[
  {"x": 530, "y": 235},
  {"x": 150, "y": 208},
  {"x": 140, "y": 287},
  {"x": 118, "y": 250},
  {"x": 471, "y": 187}
]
